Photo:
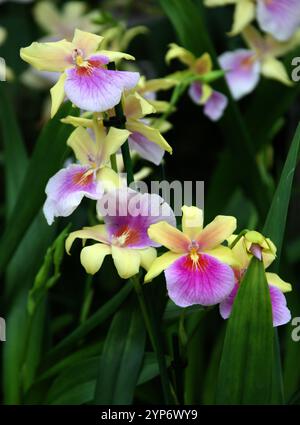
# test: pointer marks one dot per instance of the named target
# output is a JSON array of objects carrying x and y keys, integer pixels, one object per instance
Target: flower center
[
  {"x": 194, "y": 252},
  {"x": 82, "y": 179},
  {"x": 125, "y": 236}
]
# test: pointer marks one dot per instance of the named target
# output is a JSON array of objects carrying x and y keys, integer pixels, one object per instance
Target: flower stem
[
  {"x": 113, "y": 162},
  {"x": 88, "y": 296},
  {"x": 155, "y": 342}
]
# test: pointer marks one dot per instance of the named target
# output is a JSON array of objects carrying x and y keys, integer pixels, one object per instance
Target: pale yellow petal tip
[
  {"x": 68, "y": 243},
  {"x": 254, "y": 237}
]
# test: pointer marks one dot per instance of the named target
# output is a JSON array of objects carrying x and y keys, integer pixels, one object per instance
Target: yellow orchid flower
[{"x": 124, "y": 234}]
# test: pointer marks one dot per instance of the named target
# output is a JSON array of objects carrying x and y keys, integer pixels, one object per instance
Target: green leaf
[
  {"x": 275, "y": 223},
  {"x": 15, "y": 156},
  {"x": 245, "y": 375},
  {"x": 47, "y": 158},
  {"x": 90, "y": 324},
  {"x": 122, "y": 357},
  {"x": 76, "y": 384}
]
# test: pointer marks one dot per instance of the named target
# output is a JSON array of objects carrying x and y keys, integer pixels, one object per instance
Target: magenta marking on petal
[
  {"x": 225, "y": 306},
  {"x": 281, "y": 313},
  {"x": 66, "y": 189},
  {"x": 206, "y": 282},
  {"x": 127, "y": 212},
  {"x": 97, "y": 89}
]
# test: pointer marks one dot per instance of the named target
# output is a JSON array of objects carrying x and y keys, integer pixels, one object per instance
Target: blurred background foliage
[{"x": 56, "y": 343}]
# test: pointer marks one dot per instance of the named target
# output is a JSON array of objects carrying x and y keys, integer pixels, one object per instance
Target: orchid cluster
[
  {"x": 204, "y": 265},
  {"x": 280, "y": 20}
]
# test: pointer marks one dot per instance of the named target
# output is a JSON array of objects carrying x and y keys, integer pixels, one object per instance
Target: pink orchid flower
[
  {"x": 197, "y": 267},
  {"x": 280, "y": 18},
  {"x": 85, "y": 79}
]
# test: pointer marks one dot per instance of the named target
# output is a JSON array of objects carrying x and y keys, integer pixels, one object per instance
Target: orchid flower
[
  {"x": 146, "y": 140},
  {"x": 66, "y": 189},
  {"x": 124, "y": 234},
  {"x": 85, "y": 79},
  {"x": 253, "y": 243},
  {"x": 61, "y": 24},
  {"x": 244, "y": 66},
  {"x": 197, "y": 267},
  {"x": 201, "y": 93},
  {"x": 280, "y": 18},
  {"x": 148, "y": 90}
]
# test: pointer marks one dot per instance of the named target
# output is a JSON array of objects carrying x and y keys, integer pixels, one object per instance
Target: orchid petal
[
  {"x": 47, "y": 16},
  {"x": 127, "y": 261},
  {"x": 242, "y": 71},
  {"x": 160, "y": 264},
  {"x": 281, "y": 314},
  {"x": 78, "y": 121},
  {"x": 98, "y": 89},
  {"x": 128, "y": 214},
  {"x": 215, "y": 106},
  {"x": 109, "y": 179},
  {"x": 240, "y": 252},
  {"x": 280, "y": 18},
  {"x": 274, "y": 69},
  {"x": 224, "y": 254},
  {"x": 274, "y": 280},
  {"x": 53, "y": 56},
  {"x": 192, "y": 221},
  {"x": 91, "y": 257},
  {"x": 206, "y": 283},
  {"x": 203, "y": 65},
  {"x": 137, "y": 107},
  {"x": 96, "y": 233},
  {"x": 66, "y": 189},
  {"x": 216, "y": 232},
  {"x": 145, "y": 148},
  {"x": 225, "y": 306},
  {"x": 177, "y": 52},
  {"x": 57, "y": 94},
  {"x": 150, "y": 133},
  {"x": 200, "y": 93},
  {"x": 112, "y": 142},
  {"x": 148, "y": 255},
  {"x": 115, "y": 56},
  {"x": 83, "y": 146},
  {"x": 154, "y": 85},
  {"x": 244, "y": 13},
  {"x": 87, "y": 42},
  {"x": 169, "y": 236}
]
